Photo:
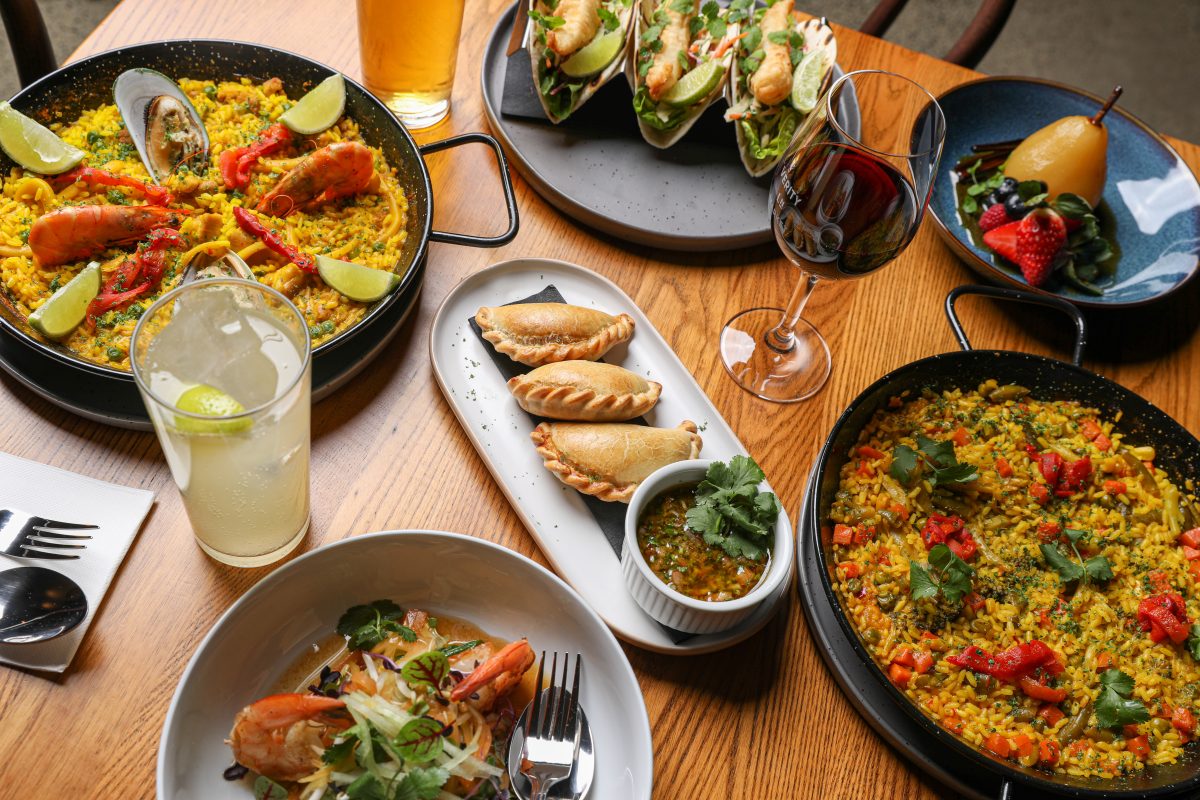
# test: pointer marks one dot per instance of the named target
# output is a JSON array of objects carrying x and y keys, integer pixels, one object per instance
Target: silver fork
[
  {"x": 24, "y": 535},
  {"x": 551, "y": 733}
]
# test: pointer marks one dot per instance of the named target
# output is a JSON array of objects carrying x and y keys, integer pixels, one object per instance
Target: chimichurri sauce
[{"x": 683, "y": 560}]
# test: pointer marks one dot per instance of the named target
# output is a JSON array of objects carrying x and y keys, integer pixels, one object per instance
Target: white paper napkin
[{"x": 60, "y": 495}]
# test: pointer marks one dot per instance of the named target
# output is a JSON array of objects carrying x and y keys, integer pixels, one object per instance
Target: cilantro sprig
[
  {"x": 1095, "y": 569},
  {"x": 948, "y": 575},
  {"x": 367, "y": 626},
  {"x": 1114, "y": 706},
  {"x": 937, "y": 457},
  {"x": 731, "y": 512},
  {"x": 1193, "y": 641}
]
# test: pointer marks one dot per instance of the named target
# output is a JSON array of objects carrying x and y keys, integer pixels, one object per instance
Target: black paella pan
[
  {"x": 64, "y": 94},
  {"x": 1177, "y": 451}
]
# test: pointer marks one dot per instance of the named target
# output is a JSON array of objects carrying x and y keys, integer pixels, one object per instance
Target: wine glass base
[{"x": 781, "y": 376}]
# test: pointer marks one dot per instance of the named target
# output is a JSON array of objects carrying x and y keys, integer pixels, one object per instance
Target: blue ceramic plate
[{"x": 1151, "y": 193}]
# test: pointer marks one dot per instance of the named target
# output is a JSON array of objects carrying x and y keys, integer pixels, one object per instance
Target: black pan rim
[
  {"x": 812, "y": 527},
  {"x": 419, "y": 253}
]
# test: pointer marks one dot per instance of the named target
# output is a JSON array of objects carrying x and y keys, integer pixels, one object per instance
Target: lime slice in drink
[
  {"x": 806, "y": 81},
  {"x": 356, "y": 281},
  {"x": 210, "y": 401},
  {"x": 318, "y": 109},
  {"x": 695, "y": 85},
  {"x": 594, "y": 56},
  {"x": 62, "y": 313},
  {"x": 34, "y": 146}
]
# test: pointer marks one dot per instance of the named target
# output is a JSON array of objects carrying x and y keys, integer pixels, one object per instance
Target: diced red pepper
[
  {"x": 235, "y": 164},
  {"x": 1074, "y": 474},
  {"x": 899, "y": 675},
  {"x": 1022, "y": 745},
  {"x": 1190, "y": 553},
  {"x": 1040, "y": 493},
  {"x": 1040, "y": 691},
  {"x": 974, "y": 601},
  {"x": 863, "y": 533},
  {"x": 1048, "y": 531},
  {"x": 1159, "y": 580},
  {"x": 905, "y": 658},
  {"x": 250, "y": 224},
  {"x": 1164, "y": 616},
  {"x": 961, "y": 437},
  {"x": 1194, "y": 569},
  {"x": 1049, "y": 751},
  {"x": 923, "y": 661},
  {"x": 867, "y": 451},
  {"x": 998, "y": 745},
  {"x": 1114, "y": 487},
  {"x": 850, "y": 569},
  {"x": 1051, "y": 465},
  {"x": 963, "y": 546},
  {"x": 843, "y": 534},
  {"x": 900, "y": 511},
  {"x": 953, "y": 723},
  {"x": 1104, "y": 661},
  {"x": 1003, "y": 467},
  {"x": 865, "y": 469},
  {"x": 1191, "y": 538},
  {"x": 1050, "y": 714},
  {"x": 1183, "y": 720},
  {"x": 1090, "y": 429},
  {"x": 940, "y": 529},
  {"x": 1103, "y": 443},
  {"x": 1139, "y": 746}
]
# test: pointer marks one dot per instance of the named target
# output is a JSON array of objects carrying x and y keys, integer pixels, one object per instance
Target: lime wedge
[
  {"x": 34, "y": 146},
  {"x": 695, "y": 85},
  {"x": 210, "y": 402},
  {"x": 318, "y": 109},
  {"x": 356, "y": 281},
  {"x": 806, "y": 81},
  {"x": 594, "y": 56},
  {"x": 62, "y": 313}
]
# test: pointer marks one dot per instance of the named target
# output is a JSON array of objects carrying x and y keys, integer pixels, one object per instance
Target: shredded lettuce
[
  {"x": 767, "y": 137},
  {"x": 651, "y": 112}
]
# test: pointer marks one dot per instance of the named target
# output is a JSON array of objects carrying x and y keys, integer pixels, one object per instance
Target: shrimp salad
[{"x": 408, "y": 707}]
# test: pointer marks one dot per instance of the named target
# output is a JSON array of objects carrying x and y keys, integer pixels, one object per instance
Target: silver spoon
[
  {"x": 38, "y": 604},
  {"x": 580, "y": 780}
]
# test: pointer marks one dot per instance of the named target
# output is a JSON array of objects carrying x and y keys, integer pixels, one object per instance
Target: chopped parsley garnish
[
  {"x": 1114, "y": 707},
  {"x": 731, "y": 512},
  {"x": 367, "y": 626},
  {"x": 950, "y": 575}
]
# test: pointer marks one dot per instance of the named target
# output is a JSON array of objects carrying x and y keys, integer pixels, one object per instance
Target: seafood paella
[
  {"x": 204, "y": 169},
  {"x": 402, "y": 704},
  {"x": 1026, "y": 577}
]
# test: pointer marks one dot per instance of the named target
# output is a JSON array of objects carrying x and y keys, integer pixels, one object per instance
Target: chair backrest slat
[{"x": 28, "y": 38}]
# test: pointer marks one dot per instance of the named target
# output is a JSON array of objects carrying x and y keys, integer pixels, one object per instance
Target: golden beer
[{"x": 408, "y": 52}]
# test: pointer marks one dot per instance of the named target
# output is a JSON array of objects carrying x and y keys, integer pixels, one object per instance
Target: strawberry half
[
  {"x": 1003, "y": 240},
  {"x": 1040, "y": 237},
  {"x": 994, "y": 217}
]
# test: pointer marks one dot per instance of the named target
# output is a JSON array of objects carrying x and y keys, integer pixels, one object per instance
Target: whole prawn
[
  {"x": 280, "y": 735},
  {"x": 336, "y": 170},
  {"x": 73, "y": 233}
]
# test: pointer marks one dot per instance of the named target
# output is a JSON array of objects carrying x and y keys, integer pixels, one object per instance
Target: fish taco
[{"x": 576, "y": 47}]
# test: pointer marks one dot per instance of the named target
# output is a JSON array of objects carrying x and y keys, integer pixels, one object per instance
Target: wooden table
[{"x": 762, "y": 720}]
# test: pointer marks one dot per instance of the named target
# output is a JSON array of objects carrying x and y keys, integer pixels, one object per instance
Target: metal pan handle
[
  {"x": 510, "y": 199},
  {"x": 1004, "y": 293}
]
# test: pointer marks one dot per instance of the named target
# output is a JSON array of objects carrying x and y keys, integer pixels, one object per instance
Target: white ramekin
[{"x": 677, "y": 610}]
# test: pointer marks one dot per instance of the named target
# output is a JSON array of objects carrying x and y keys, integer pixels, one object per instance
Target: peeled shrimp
[
  {"x": 772, "y": 81},
  {"x": 280, "y": 736}
]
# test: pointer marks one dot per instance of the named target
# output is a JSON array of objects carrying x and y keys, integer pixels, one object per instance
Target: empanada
[
  {"x": 586, "y": 391},
  {"x": 541, "y": 333},
  {"x": 609, "y": 460}
]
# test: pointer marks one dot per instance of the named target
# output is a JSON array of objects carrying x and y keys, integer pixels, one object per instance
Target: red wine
[{"x": 839, "y": 212}]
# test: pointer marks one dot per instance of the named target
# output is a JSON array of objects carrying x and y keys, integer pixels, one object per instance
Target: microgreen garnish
[
  {"x": 731, "y": 512},
  {"x": 951, "y": 576},
  {"x": 1095, "y": 568},
  {"x": 418, "y": 784},
  {"x": 430, "y": 670},
  {"x": 367, "y": 626},
  {"x": 939, "y": 457},
  {"x": 1114, "y": 707},
  {"x": 267, "y": 789},
  {"x": 420, "y": 740}
]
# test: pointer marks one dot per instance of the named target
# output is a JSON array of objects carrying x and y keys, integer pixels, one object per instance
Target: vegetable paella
[
  {"x": 1025, "y": 577},
  {"x": 242, "y": 183}
]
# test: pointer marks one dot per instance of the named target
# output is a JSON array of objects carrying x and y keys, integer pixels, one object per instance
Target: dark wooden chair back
[
  {"x": 975, "y": 41},
  {"x": 28, "y": 38}
]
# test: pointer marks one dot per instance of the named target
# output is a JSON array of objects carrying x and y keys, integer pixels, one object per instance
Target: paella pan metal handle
[
  {"x": 510, "y": 199},
  {"x": 1004, "y": 293}
]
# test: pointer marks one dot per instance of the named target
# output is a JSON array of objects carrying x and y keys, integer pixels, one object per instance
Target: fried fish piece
[
  {"x": 771, "y": 83},
  {"x": 581, "y": 20},
  {"x": 666, "y": 69}
]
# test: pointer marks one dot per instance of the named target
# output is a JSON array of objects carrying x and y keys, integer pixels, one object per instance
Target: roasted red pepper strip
[
  {"x": 1164, "y": 616},
  {"x": 235, "y": 164},
  {"x": 1012, "y": 664},
  {"x": 155, "y": 195},
  {"x": 144, "y": 268},
  {"x": 940, "y": 529},
  {"x": 1051, "y": 466},
  {"x": 1074, "y": 473},
  {"x": 250, "y": 224}
]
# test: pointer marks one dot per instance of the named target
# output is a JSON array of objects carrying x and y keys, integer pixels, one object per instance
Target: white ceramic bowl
[
  {"x": 677, "y": 610},
  {"x": 506, "y": 594}
]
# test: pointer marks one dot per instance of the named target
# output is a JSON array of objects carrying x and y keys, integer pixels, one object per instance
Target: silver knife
[{"x": 520, "y": 25}]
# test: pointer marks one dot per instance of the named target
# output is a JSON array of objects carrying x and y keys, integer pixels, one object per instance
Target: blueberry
[
  {"x": 990, "y": 199},
  {"x": 1009, "y": 186},
  {"x": 1016, "y": 207}
]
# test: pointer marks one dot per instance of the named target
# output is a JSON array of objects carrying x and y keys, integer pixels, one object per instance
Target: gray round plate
[{"x": 596, "y": 168}]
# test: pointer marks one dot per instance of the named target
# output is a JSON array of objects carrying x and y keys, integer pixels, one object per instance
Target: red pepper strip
[
  {"x": 250, "y": 224},
  {"x": 964, "y": 546},
  {"x": 145, "y": 268},
  {"x": 1011, "y": 664},
  {"x": 1040, "y": 691},
  {"x": 156, "y": 195},
  {"x": 1051, "y": 466},
  {"x": 1073, "y": 475},
  {"x": 1164, "y": 616},
  {"x": 235, "y": 164}
]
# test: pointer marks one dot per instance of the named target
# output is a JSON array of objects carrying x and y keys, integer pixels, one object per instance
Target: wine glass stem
[{"x": 781, "y": 338}]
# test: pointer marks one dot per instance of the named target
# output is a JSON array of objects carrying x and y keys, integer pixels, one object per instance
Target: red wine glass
[{"x": 843, "y": 203}]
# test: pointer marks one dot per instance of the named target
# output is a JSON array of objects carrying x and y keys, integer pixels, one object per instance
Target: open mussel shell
[
  {"x": 539, "y": 53},
  {"x": 663, "y": 139},
  {"x": 817, "y": 36},
  {"x": 162, "y": 122}
]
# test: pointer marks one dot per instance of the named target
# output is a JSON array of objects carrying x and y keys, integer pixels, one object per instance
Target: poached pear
[{"x": 1069, "y": 155}]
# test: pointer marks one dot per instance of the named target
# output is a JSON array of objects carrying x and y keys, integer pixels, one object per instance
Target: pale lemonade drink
[
  {"x": 244, "y": 477},
  {"x": 408, "y": 50}
]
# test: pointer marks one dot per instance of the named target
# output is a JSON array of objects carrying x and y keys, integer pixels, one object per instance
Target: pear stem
[{"x": 1112, "y": 99}]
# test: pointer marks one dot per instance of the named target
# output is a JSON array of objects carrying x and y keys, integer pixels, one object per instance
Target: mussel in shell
[{"x": 164, "y": 126}]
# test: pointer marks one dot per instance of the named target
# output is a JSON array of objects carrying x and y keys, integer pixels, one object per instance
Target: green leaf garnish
[
  {"x": 731, "y": 512},
  {"x": 945, "y": 468},
  {"x": 1193, "y": 641},
  {"x": 1114, "y": 707},
  {"x": 1096, "y": 568},
  {"x": 267, "y": 789},
  {"x": 1067, "y": 569},
  {"x": 452, "y": 650},
  {"x": 950, "y": 575},
  {"x": 367, "y": 626},
  {"x": 430, "y": 670},
  {"x": 420, "y": 740},
  {"x": 905, "y": 464},
  {"x": 421, "y": 784},
  {"x": 611, "y": 21}
]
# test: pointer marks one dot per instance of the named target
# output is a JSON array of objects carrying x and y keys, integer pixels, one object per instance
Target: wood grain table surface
[{"x": 761, "y": 720}]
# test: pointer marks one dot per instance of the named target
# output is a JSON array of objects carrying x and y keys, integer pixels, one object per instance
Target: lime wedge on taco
[{"x": 695, "y": 85}]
